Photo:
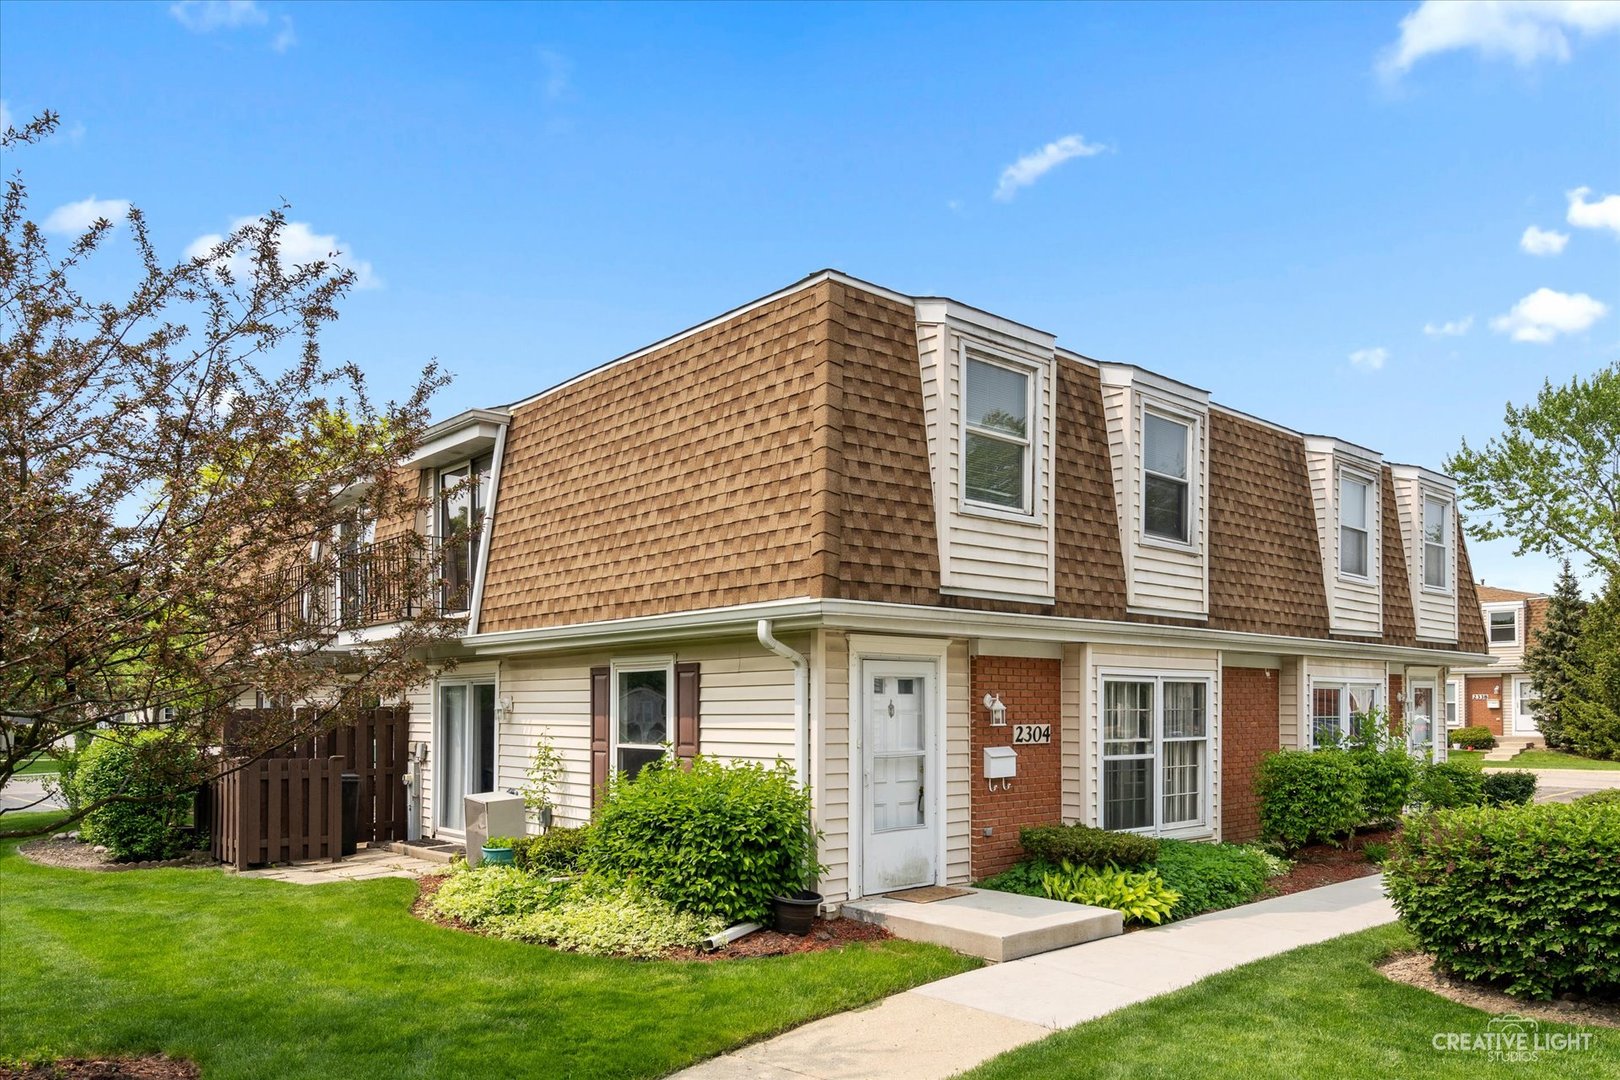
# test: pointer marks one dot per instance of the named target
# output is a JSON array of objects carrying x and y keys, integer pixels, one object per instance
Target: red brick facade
[
  {"x": 1397, "y": 704},
  {"x": 1480, "y": 691},
  {"x": 1032, "y": 691},
  {"x": 1249, "y": 711}
]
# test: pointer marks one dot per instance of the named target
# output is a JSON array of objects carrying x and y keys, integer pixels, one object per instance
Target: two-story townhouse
[
  {"x": 1500, "y": 697},
  {"x": 961, "y": 577}
]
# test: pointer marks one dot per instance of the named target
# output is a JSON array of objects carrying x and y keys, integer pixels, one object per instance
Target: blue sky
[{"x": 1318, "y": 212}]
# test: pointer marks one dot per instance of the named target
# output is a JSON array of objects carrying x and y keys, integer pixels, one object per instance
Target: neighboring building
[
  {"x": 1499, "y": 697},
  {"x": 838, "y": 525}
]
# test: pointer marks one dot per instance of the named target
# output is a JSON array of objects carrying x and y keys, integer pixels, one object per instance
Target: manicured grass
[
  {"x": 43, "y": 765},
  {"x": 263, "y": 979},
  {"x": 1551, "y": 759},
  {"x": 1468, "y": 759},
  {"x": 1322, "y": 1012}
]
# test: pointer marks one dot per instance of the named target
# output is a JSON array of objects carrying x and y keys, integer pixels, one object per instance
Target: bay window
[
  {"x": 1155, "y": 753},
  {"x": 996, "y": 444}
]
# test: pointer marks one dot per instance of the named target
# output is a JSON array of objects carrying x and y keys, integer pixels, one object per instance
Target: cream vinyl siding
[
  {"x": 1291, "y": 723},
  {"x": 829, "y": 705},
  {"x": 1436, "y": 610},
  {"x": 958, "y": 775},
  {"x": 1355, "y": 604},
  {"x": 420, "y": 701},
  {"x": 1074, "y": 730},
  {"x": 991, "y": 551}
]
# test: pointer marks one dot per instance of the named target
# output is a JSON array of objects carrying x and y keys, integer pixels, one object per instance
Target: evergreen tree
[
  {"x": 1592, "y": 710},
  {"x": 1553, "y": 657}
]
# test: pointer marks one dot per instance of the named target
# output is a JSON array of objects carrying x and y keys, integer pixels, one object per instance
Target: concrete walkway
[
  {"x": 367, "y": 864},
  {"x": 945, "y": 1027}
]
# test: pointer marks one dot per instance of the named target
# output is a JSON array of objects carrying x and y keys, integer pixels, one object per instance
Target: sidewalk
[{"x": 945, "y": 1027}]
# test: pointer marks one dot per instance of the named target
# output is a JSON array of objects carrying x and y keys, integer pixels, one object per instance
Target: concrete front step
[
  {"x": 1509, "y": 745},
  {"x": 434, "y": 853},
  {"x": 993, "y": 925}
]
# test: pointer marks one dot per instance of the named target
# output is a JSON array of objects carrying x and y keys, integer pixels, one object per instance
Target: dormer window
[
  {"x": 1355, "y": 515},
  {"x": 1436, "y": 543},
  {"x": 1504, "y": 627},
  {"x": 461, "y": 506},
  {"x": 1166, "y": 489},
  {"x": 997, "y": 436}
]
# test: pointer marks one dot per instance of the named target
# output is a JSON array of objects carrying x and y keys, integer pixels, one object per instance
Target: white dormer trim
[
  {"x": 1435, "y": 608},
  {"x": 1355, "y": 601},
  {"x": 463, "y": 436}
]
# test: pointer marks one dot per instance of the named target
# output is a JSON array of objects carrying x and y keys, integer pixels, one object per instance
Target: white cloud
[
  {"x": 1603, "y": 214},
  {"x": 5, "y": 115},
  {"x": 1537, "y": 241},
  {"x": 1523, "y": 31},
  {"x": 285, "y": 37},
  {"x": 1454, "y": 328},
  {"x": 300, "y": 244},
  {"x": 75, "y": 217},
  {"x": 1544, "y": 314},
  {"x": 1369, "y": 359},
  {"x": 1032, "y": 166},
  {"x": 204, "y": 16},
  {"x": 557, "y": 72}
]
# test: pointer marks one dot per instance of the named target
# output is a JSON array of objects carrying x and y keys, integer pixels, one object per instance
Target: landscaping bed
[
  {"x": 1325, "y": 864},
  {"x": 71, "y": 854},
  {"x": 1418, "y": 969},
  {"x": 143, "y": 1068}
]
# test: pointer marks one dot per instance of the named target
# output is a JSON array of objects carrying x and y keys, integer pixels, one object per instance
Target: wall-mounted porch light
[{"x": 998, "y": 711}]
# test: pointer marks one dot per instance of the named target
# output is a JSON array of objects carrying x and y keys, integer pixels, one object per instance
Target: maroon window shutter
[
  {"x": 686, "y": 711},
  {"x": 601, "y": 679}
]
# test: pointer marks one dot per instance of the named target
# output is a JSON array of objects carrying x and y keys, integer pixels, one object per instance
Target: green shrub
[
  {"x": 489, "y": 892},
  {"x": 502, "y": 842},
  {"x": 1140, "y": 895},
  {"x": 1509, "y": 788},
  {"x": 149, "y": 780},
  {"x": 1473, "y": 738},
  {"x": 1609, "y": 797},
  {"x": 1023, "y": 878},
  {"x": 1276, "y": 865},
  {"x": 1386, "y": 781},
  {"x": 1447, "y": 785},
  {"x": 1375, "y": 852},
  {"x": 1210, "y": 877},
  {"x": 1527, "y": 897},
  {"x": 556, "y": 851},
  {"x": 1083, "y": 845},
  {"x": 1307, "y": 796},
  {"x": 715, "y": 839}
]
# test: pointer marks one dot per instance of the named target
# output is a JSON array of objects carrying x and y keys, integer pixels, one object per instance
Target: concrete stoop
[
  {"x": 993, "y": 925},
  {"x": 1509, "y": 745},
  {"x": 431, "y": 850}
]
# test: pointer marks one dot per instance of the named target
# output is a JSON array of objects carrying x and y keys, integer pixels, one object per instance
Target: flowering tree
[{"x": 175, "y": 465}]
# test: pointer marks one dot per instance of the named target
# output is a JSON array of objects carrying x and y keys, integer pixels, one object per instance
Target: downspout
[{"x": 801, "y": 699}]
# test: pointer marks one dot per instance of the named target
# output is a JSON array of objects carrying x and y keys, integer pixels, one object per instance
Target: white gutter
[{"x": 801, "y": 697}]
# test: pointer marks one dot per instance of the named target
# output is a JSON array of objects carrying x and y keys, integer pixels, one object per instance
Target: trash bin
[{"x": 351, "y": 812}]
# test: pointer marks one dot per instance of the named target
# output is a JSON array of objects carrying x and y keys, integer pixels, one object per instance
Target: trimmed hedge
[
  {"x": 1473, "y": 738},
  {"x": 1509, "y": 788},
  {"x": 1526, "y": 897},
  {"x": 1446, "y": 785},
  {"x": 1082, "y": 845},
  {"x": 1310, "y": 796},
  {"x": 1386, "y": 780},
  {"x": 148, "y": 780}
]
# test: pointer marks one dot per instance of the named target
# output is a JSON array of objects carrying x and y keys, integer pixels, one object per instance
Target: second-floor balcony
[{"x": 375, "y": 584}]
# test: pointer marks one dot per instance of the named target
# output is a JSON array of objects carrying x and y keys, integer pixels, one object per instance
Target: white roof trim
[
  {"x": 1130, "y": 375},
  {"x": 940, "y": 309},
  {"x": 1329, "y": 444},
  {"x": 464, "y": 435}
]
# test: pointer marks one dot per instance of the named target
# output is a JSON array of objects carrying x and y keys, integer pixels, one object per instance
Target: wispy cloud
[
  {"x": 1369, "y": 359},
  {"x": 5, "y": 115},
  {"x": 300, "y": 245},
  {"x": 1602, "y": 214},
  {"x": 1036, "y": 164},
  {"x": 1543, "y": 315},
  {"x": 1454, "y": 328},
  {"x": 75, "y": 217},
  {"x": 557, "y": 74},
  {"x": 205, "y": 16},
  {"x": 1536, "y": 241},
  {"x": 286, "y": 37},
  {"x": 1524, "y": 31}
]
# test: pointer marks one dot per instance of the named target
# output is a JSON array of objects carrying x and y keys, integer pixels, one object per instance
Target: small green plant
[
  {"x": 545, "y": 772},
  {"x": 146, "y": 783},
  {"x": 1446, "y": 785},
  {"x": 1375, "y": 852},
  {"x": 1024, "y": 878},
  {"x": 1509, "y": 787},
  {"x": 556, "y": 851},
  {"x": 501, "y": 842},
  {"x": 1140, "y": 895},
  {"x": 1310, "y": 796},
  {"x": 1276, "y": 865},
  {"x": 1083, "y": 845},
  {"x": 1473, "y": 738},
  {"x": 1210, "y": 877}
]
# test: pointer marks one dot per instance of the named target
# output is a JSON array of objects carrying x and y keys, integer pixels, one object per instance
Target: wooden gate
[{"x": 277, "y": 810}]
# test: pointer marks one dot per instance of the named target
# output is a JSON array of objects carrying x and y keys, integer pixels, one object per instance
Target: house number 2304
[{"x": 1026, "y": 734}]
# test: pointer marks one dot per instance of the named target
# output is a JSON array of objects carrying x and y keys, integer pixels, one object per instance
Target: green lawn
[
  {"x": 1321, "y": 1012},
  {"x": 1550, "y": 759},
  {"x": 263, "y": 979},
  {"x": 43, "y": 765}
]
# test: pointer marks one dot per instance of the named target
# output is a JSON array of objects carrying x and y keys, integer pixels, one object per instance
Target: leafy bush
[
  {"x": 1473, "y": 738},
  {"x": 1376, "y": 852},
  {"x": 1446, "y": 785},
  {"x": 1276, "y": 865},
  {"x": 1024, "y": 878},
  {"x": 1387, "y": 776},
  {"x": 1609, "y": 797},
  {"x": 502, "y": 842},
  {"x": 1507, "y": 788},
  {"x": 150, "y": 780},
  {"x": 556, "y": 851},
  {"x": 489, "y": 892},
  {"x": 1082, "y": 845},
  {"x": 1140, "y": 895},
  {"x": 715, "y": 839},
  {"x": 1524, "y": 896},
  {"x": 1210, "y": 877},
  {"x": 1306, "y": 796}
]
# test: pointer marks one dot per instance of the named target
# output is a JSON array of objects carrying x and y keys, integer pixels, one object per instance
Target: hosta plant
[{"x": 1139, "y": 895}]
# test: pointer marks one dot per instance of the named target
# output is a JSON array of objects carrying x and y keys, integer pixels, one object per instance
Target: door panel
[
  {"x": 466, "y": 749},
  {"x": 898, "y": 757}
]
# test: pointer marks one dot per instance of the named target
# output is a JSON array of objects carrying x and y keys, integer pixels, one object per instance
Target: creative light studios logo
[{"x": 1513, "y": 1038}]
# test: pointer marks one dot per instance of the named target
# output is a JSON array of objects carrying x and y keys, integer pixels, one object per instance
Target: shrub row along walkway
[{"x": 944, "y": 1027}]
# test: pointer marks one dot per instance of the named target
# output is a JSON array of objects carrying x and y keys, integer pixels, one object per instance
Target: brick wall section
[
  {"x": 1031, "y": 690},
  {"x": 1479, "y": 712},
  {"x": 1396, "y": 707},
  {"x": 1249, "y": 708}
]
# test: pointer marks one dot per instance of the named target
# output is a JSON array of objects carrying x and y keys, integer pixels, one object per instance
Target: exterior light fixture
[{"x": 998, "y": 711}]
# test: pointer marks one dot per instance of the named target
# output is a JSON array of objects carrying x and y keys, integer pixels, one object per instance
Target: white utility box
[
  {"x": 493, "y": 813},
  {"x": 1000, "y": 763}
]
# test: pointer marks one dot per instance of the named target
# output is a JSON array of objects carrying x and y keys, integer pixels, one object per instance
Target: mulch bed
[
  {"x": 1418, "y": 969},
  {"x": 1323, "y": 864},
  {"x": 146, "y": 1068},
  {"x": 828, "y": 933},
  {"x": 76, "y": 855}
]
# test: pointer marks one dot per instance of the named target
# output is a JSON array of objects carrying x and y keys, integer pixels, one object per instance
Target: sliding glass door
[{"x": 466, "y": 748}]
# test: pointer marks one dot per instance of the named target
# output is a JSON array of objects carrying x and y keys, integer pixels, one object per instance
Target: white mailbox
[{"x": 1000, "y": 763}]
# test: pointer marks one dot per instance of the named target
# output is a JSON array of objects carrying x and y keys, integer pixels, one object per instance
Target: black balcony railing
[{"x": 375, "y": 584}]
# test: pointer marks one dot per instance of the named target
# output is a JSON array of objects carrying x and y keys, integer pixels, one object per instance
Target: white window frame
[
  {"x": 1524, "y": 693},
  {"x": 482, "y": 492},
  {"x": 1191, "y": 480},
  {"x": 1031, "y": 373},
  {"x": 1446, "y": 544},
  {"x": 666, "y": 664},
  {"x": 470, "y": 682},
  {"x": 1490, "y": 628},
  {"x": 1453, "y": 703},
  {"x": 1205, "y": 825},
  {"x": 1368, "y": 485},
  {"x": 1345, "y": 716}
]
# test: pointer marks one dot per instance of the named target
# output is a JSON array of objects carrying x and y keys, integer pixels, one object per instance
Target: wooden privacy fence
[{"x": 277, "y": 810}]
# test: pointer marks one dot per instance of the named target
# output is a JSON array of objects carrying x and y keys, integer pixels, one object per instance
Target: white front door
[
  {"x": 898, "y": 766},
  {"x": 1524, "y": 708},
  {"x": 1420, "y": 719}
]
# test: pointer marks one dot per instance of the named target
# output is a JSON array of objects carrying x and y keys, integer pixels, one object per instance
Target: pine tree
[
  {"x": 1553, "y": 659},
  {"x": 1592, "y": 710}
]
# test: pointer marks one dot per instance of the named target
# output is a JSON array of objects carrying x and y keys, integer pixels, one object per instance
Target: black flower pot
[{"x": 796, "y": 914}]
